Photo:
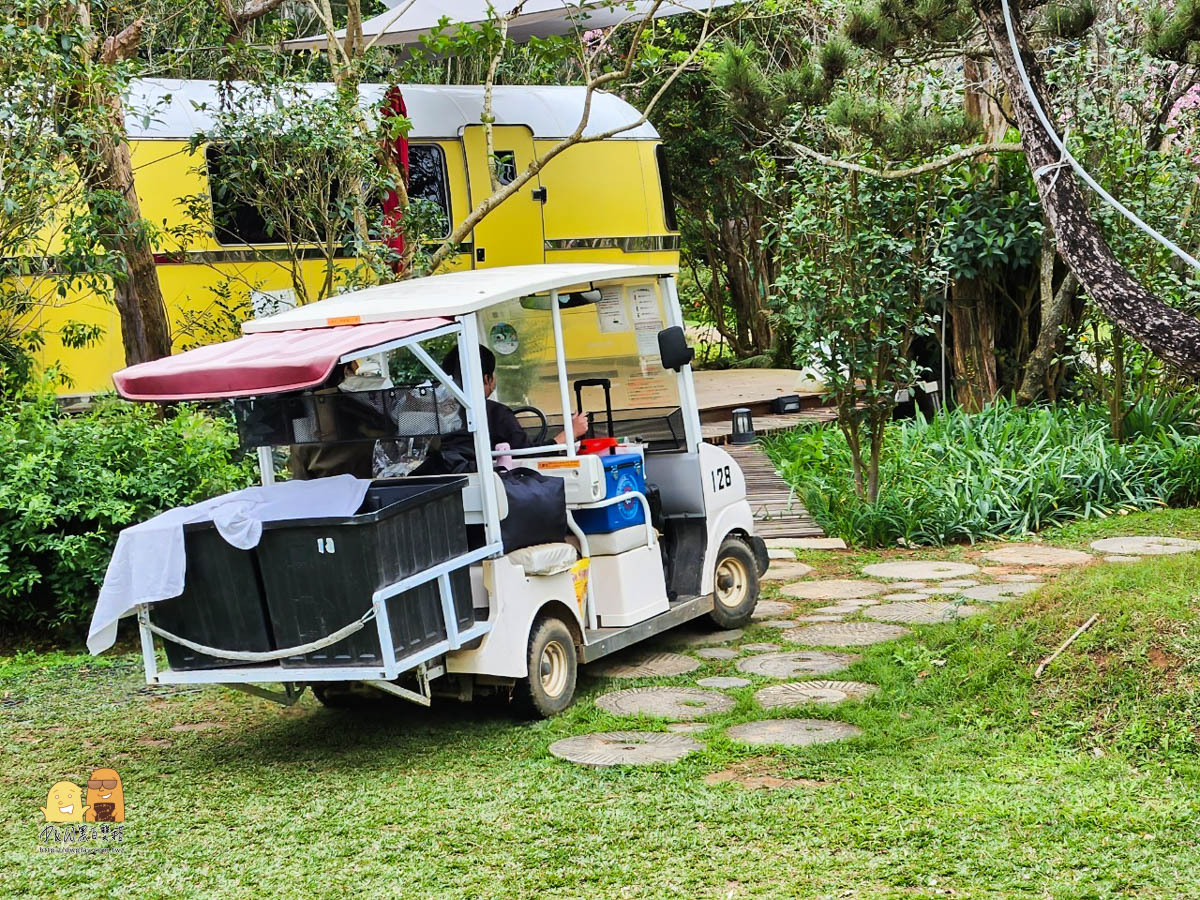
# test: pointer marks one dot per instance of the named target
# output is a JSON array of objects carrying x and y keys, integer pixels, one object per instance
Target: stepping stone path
[
  {"x": 771, "y": 609},
  {"x": 785, "y": 570},
  {"x": 1145, "y": 546},
  {"x": 645, "y": 665},
  {"x": 760, "y": 647},
  {"x": 1037, "y": 555},
  {"x": 687, "y": 727},
  {"x": 998, "y": 593},
  {"x": 800, "y": 693},
  {"x": 927, "y": 613},
  {"x": 909, "y": 586},
  {"x": 723, "y": 682},
  {"x": 828, "y": 617},
  {"x": 777, "y": 623},
  {"x": 938, "y": 591},
  {"x": 904, "y": 595},
  {"x": 1019, "y": 579},
  {"x": 700, "y": 639},
  {"x": 812, "y": 543},
  {"x": 792, "y": 732},
  {"x": 847, "y": 634},
  {"x": 960, "y": 583},
  {"x": 833, "y": 589},
  {"x": 668, "y": 702},
  {"x": 624, "y": 748},
  {"x": 789, "y": 665},
  {"x": 717, "y": 653},
  {"x": 780, "y": 554},
  {"x": 837, "y": 610},
  {"x": 919, "y": 570}
]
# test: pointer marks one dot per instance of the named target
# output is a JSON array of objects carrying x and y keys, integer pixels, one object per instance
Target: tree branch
[
  {"x": 123, "y": 44},
  {"x": 896, "y": 174}
]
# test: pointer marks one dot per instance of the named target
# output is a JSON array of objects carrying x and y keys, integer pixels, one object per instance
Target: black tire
[
  {"x": 553, "y": 669},
  {"x": 735, "y": 585},
  {"x": 346, "y": 695}
]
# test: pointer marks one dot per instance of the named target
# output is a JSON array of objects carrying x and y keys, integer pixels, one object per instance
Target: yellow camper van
[{"x": 605, "y": 201}]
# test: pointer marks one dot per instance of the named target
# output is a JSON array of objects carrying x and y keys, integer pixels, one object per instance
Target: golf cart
[{"x": 428, "y": 588}]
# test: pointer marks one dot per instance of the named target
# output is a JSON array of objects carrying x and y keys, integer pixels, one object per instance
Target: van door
[{"x": 511, "y": 234}]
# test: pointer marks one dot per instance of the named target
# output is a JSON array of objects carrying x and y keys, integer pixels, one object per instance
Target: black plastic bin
[
  {"x": 319, "y": 574},
  {"x": 222, "y": 604}
]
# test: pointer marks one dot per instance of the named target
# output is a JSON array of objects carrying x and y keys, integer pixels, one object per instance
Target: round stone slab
[
  {"x": 771, "y": 609},
  {"x": 960, "y": 583},
  {"x": 833, "y": 589},
  {"x": 919, "y": 570},
  {"x": 1036, "y": 555},
  {"x": 760, "y": 647},
  {"x": 777, "y": 623},
  {"x": 927, "y": 613},
  {"x": 624, "y": 748},
  {"x": 846, "y": 634},
  {"x": 1019, "y": 579},
  {"x": 703, "y": 638},
  {"x": 799, "y": 693},
  {"x": 905, "y": 595},
  {"x": 998, "y": 593},
  {"x": 668, "y": 702},
  {"x": 687, "y": 727},
  {"x": 645, "y": 665},
  {"x": 1145, "y": 546},
  {"x": 717, "y": 653},
  {"x": 938, "y": 591},
  {"x": 785, "y": 570},
  {"x": 723, "y": 682},
  {"x": 792, "y": 732},
  {"x": 825, "y": 617},
  {"x": 789, "y": 665}
]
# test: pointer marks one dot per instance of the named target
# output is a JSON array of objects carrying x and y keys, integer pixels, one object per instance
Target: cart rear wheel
[
  {"x": 553, "y": 668},
  {"x": 735, "y": 585}
]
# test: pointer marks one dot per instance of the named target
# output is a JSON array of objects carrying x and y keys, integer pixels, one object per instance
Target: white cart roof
[
  {"x": 176, "y": 109},
  {"x": 452, "y": 294}
]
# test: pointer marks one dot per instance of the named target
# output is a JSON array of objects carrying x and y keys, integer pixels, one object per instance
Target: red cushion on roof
[{"x": 272, "y": 362}]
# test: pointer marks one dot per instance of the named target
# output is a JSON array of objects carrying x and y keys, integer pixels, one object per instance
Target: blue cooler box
[{"x": 623, "y": 472}]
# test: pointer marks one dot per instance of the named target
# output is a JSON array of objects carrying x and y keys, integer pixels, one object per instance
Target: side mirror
[{"x": 673, "y": 348}]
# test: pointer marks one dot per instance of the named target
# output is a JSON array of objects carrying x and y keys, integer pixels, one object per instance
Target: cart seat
[
  {"x": 545, "y": 559},
  {"x": 619, "y": 541}
]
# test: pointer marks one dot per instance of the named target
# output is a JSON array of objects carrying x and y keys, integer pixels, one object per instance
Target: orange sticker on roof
[{"x": 344, "y": 320}]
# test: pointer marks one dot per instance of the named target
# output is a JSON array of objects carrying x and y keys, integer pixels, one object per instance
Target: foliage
[
  {"x": 68, "y": 484},
  {"x": 861, "y": 265},
  {"x": 1003, "y": 472}
]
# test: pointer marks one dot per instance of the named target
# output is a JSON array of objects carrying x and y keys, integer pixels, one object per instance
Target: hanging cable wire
[{"x": 1071, "y": 161}]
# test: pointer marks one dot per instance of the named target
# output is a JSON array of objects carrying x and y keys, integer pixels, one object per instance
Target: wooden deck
[{"x": 776, "y": 512}]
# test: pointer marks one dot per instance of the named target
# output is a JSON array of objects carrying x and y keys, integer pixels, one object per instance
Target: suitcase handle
[{"x": 606, "y": 384}]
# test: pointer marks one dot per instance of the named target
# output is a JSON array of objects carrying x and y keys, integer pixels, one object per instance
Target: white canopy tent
[{"x": 407, "y": 23}]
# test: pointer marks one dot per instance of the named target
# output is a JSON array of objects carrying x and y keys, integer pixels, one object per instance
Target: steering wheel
[{"x": 543, "y": 430}]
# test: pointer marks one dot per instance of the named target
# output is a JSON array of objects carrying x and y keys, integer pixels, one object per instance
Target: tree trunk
[
  {"x": 1055, "y": 307},
  {"x": 973, "y": 323},
  {"x": 105, "y": 166},
  {"x": 1167, "y": 332}
]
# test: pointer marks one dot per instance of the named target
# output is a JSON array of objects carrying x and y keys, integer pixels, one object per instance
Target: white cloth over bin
[{"x": 149, "y": 564}]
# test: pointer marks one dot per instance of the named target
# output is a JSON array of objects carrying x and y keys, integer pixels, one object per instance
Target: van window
[
  {"x": 427, "y": 182},
  {"x": 238, "y": 222},
  {"x": 664, "y": 179}
]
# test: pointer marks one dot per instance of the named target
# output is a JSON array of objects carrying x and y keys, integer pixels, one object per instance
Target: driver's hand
[{"x": 579, "y": 424}]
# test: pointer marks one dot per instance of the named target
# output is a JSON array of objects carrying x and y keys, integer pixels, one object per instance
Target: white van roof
[
  {"x": 448, "y": 295},
  {"x": 176, "y": 109}
]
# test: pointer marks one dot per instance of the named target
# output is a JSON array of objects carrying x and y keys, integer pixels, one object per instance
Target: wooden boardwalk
[{"x": 777, "y": 513}]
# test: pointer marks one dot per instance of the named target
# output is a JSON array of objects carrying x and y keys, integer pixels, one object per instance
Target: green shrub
[
  {"x": 68, "y": 484},
  {"x": 1002, "y": 472}
]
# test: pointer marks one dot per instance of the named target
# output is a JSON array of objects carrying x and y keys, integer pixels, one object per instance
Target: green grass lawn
[{"x": 971, "y": 779}]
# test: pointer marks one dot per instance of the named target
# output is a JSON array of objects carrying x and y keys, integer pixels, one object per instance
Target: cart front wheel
[
  {"x": 553, "y": 667},
  {"x": 735, "y": 585}
]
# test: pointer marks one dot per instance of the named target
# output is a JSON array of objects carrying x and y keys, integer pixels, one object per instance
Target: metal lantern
[{"x": 743, "y": 427}]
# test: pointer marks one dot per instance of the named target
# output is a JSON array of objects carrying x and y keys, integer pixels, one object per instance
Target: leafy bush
[
  {"x": 1005, "y": 471},
  {"x": 68, "y": 484}
]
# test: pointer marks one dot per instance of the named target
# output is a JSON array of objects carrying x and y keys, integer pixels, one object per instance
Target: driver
[{"x": 457, "y": 452}]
